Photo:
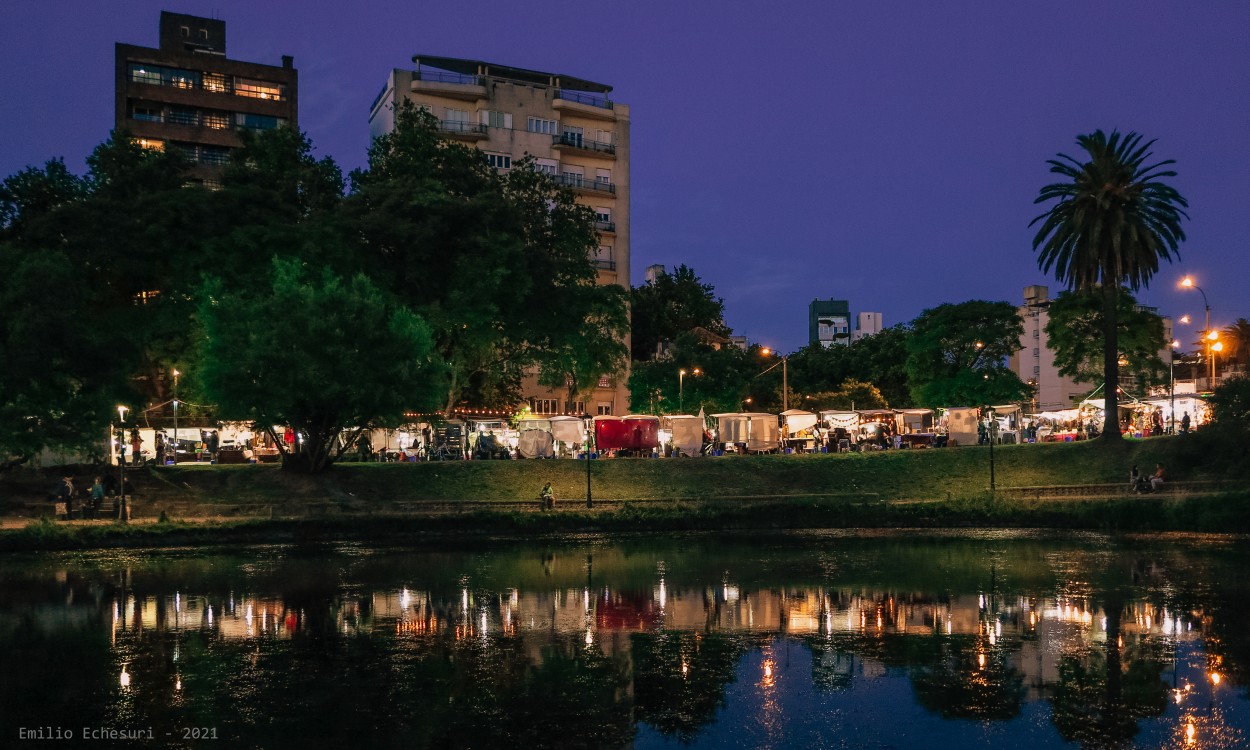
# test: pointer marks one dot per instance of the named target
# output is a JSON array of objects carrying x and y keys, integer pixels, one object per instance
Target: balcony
[
  {"x": 606, "y": 227},
  {"x": 469, "y": 131},
  {"x": 604, "y": 264},
  {"x": 572, "y": 142},
  {"x": 586, "y": 105},
  {"x": 451, "y": 85},
  {"x": 582, "y": 185}
]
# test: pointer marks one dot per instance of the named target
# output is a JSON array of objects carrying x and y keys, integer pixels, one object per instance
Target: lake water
[{"x": 840, "y": 640}]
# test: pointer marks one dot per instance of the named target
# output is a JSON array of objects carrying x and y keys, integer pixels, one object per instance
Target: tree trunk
[{"x": 1110, "y": 362}]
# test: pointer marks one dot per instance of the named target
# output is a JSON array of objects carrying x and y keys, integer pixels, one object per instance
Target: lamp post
[
  {"x": 123, "y": 515},
  {"x": 681, "y": 395},
  {"x": 1172, "y": 386},
  {"x": 176, "y": 374},
  {"x": 785, "y": 381},
  {"x": 992, "y": 428},
  {"x": 1216, "y": 347},
  {"x": 589, "y": 436},
  {"x": 1207, "y": 333}
]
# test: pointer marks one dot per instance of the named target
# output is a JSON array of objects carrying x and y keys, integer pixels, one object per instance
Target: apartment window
[
  {"x": 1035, "y": 333},
  {"x": 181, "y": 116},
  {"x": 605, "y": 381},
  {"x": 575, "y": 407},
  {"x": 216, "y": 82},
  {"x": 204, "y": 33},
  {"x": 571, "y": 135},
  {"x": 1035, "y": 351},
  {"x": 603, "y": 177},
  {"x": 186, "y": 32},
  {"x": 499, "y": 161},
  {"x": 150, "y": 143},
  {"x": 603, "y": 214},
  {"x": 146, "y": 114},
  {"x": 547, "y": 166},
  {"x": 255, "y": 89},
  {"x": 539, "y": 125},
  {"x": 216, "y": 120},
  {"x": 494, "y": 119},
  {"x": 572, "y": 176},
  {"x": 546, "y": 406},
  {"x": 257, "y": 122},
  {"x": 157, "y": 75},
  {"x": 604, "y": 137},
  {"x": 215, "y": 155},
  {"x": 604, "y": 408}
]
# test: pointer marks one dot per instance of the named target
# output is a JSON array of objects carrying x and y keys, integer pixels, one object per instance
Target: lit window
[
  {"x": 255, "y": 89},
  {"x": 605, "y": 381},
  {"x": 150, "y": 143},
  {"x": 575, "y": 407},
  {"x": 546, "y": 406}
]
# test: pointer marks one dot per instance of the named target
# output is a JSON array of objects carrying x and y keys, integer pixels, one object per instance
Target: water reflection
[{"x": 791, "y": 641}]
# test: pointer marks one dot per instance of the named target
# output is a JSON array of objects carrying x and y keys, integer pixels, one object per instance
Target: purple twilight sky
[{"x": 887, "y": 153}]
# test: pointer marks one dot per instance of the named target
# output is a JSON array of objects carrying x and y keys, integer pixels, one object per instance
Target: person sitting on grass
[{"x": 547, "y": 497}]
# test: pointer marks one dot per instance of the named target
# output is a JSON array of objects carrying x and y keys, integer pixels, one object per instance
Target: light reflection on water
[{"x": 785, "y": 642}]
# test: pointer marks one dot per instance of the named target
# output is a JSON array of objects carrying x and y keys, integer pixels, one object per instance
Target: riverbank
[{"x": 204, "y": 504}]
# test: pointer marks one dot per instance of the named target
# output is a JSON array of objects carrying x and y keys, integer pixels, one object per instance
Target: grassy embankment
[{"x": 925, "y": 488}]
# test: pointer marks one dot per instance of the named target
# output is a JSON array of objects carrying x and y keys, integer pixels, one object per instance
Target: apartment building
[
  {"x": 1034, "y": 363},
  {"x": 829, "y": 322},
  {"x": 187, "y": 95},
  {"x": 867, "y": 324},
  {"x": 576, "y": 134}
]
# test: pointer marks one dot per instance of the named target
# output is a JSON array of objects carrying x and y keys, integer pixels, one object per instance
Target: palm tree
[
  {"x": 1239, "y": 340},
  {"x": 1112, "y": 222}
]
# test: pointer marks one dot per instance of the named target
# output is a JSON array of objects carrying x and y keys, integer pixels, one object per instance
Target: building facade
[
  {"x": 829, "y": 322},
  {"x": 574, "y": 132},
  {"x": 187, "y": 95},
  {"x": 867, "y": 324}
]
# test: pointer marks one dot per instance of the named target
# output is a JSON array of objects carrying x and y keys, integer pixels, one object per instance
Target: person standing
[
  {"x": 97, "y": 497},
  {"x": 160, "y": 448},
  {"x": 214, "y": 443},
  {"x": 65, "y": 496},
  {"x": 136, "y": 447},
  {"x": 1185, "y": 423}
]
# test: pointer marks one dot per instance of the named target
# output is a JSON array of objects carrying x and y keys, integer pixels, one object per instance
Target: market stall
[
  {"x": 685, "y": 433},
  {"x": 961, "y": 425},
  {"x": 843, "y": 429},
  {"x": 626, "y": 434}
]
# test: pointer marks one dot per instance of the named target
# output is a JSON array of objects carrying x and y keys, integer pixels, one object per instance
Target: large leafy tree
[
  {"x": 670, "y": 305},
  {"x": 1075, "y": 332},
  {"x": 1112, "y": 220},
  {"x": 957, "y": 353},
  {"x": 726, "y": 377},
  {"x": 499, "y": 265},
  {"x": 327, "y": 356},
  {"x": 879, "y": 359}
]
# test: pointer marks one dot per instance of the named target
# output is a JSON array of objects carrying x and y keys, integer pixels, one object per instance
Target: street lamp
[
  {"x": 1211, "y": 336},
  {"x": 785, "y": 381},
  {"x": 176, "y": 374},
  {"x": 121, "y": 466},
  {"x": 992, "y": 430},
  {"x": 681, "y": 397},
  {"x": 1216, "y": 348}
]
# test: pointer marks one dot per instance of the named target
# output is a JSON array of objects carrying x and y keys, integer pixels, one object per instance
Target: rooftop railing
[
  {"x": 438, "y": 76},
  {"x": 582, "y": 97}
]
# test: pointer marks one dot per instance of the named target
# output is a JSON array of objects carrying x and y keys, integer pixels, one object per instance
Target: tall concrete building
[
  {"x": 187, "y": 95},
  {"x": 1035, "y": 364},
  {"x": 829, "y": 322},
  {"x": 575, "y": 133}
]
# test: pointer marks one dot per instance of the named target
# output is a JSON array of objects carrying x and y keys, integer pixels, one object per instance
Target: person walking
[{"x": 65, "y": 496}]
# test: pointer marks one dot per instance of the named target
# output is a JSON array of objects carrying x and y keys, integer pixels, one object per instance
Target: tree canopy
[
  {"x": 957, "y": 353},
  {"x": 1112, "y": 220},
  {"x": 1075, "y": 333},
  {"x": 324, "y": 355},
  {"x": 673, "y": 304}
]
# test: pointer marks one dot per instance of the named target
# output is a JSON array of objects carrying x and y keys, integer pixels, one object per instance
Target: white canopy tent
[{"x": 685, "y": 432}]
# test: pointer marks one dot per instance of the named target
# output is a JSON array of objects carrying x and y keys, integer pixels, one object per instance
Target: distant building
[
  {"x": 572, "y": 130},
  {"x": 654, "y": 272},
  {"x": 187, "y": 95},
  {"x": 829, "y": 322},
  {"x": 867, "y": 324},
  {"x": 1035, "y": 364},
  {"x": 739, "y": 341}
]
